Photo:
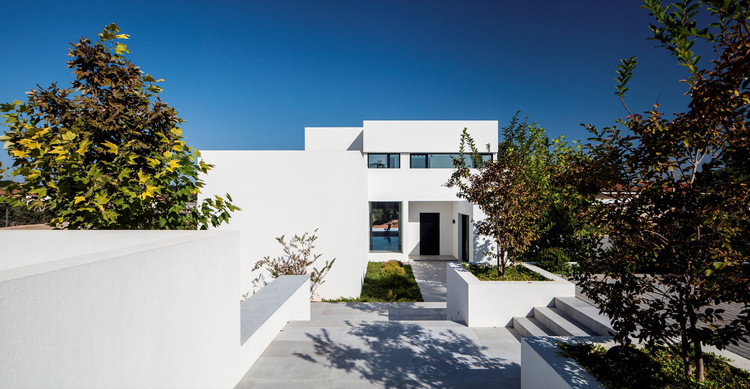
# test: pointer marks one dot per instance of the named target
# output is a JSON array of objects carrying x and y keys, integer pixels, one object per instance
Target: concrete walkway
[
  {"x": 431, "y": 277},
  {"x": 387, "y": 345}
]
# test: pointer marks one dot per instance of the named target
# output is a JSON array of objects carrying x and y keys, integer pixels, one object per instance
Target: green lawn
[{"x": 390, "y": 281}]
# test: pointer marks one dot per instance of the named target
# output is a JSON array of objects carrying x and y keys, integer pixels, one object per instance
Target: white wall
[
  {"x": 163, "y": 312},
  {"x": 496, "y": 303},
  {"x": 410, "y": 136},
  {"x": 333, "y": 138},
  {"x": 292, "y": 192}
]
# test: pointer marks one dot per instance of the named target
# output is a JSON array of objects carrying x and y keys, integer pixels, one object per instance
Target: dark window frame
[
  {"x": 387, "y": 161},
  {"x": 428, "y": 155}
]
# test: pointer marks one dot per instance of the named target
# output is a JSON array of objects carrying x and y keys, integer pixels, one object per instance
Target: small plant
[
  {"x": 297, "y": 258},
  {"x": 393, "y": 268}
]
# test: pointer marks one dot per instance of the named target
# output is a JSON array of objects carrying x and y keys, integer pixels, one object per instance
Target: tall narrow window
[
  {"x": 383, "y": 161},
  {"x": 385, "y": 220}
]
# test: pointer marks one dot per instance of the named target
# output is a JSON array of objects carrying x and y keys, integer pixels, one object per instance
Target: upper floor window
[
  {"x": 442, "y": 161},
  {"x": 383, "y": 161}
]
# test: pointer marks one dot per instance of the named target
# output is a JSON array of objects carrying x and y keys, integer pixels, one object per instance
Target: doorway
[
  {"x": 429, "y": 234},
  {"x": 463, "y": 237}
]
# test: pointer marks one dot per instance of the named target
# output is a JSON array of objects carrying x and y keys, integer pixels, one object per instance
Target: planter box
[
  {"x": 542, "y": 366},
  {"x": 495, "y": 303}
]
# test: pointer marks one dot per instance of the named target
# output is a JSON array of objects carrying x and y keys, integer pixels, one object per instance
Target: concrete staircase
[{"x": 567, "y": 316}]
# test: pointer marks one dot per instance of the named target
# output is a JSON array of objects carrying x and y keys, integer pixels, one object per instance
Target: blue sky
[{"x": 253, "y": 74}]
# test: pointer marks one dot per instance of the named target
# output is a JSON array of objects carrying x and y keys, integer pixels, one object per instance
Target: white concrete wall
[
  {"x": 292, "y": 192},
  {"x": 410, "y": 185},
  {"x": 414, "y": 136},
  {"x": 333, "y": 138},
  {"x": 447, "y": 228},
  {"x": 162, "y": 312},
  {"x": 495, "y": 303}
]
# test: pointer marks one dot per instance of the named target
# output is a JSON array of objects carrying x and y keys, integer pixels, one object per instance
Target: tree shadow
[{"x": 407, "y": 355}]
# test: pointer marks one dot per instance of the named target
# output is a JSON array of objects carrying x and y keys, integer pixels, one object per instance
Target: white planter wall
[
  {"x": 495, "y": 303},
  {"x": 159, "y": 311},
  {"x": 542, "y": 366}
]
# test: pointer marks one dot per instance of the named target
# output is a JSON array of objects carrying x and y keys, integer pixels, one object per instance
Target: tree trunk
[
  {"x": 500, "y": 262},
  {"x": 699, "y": 372}
]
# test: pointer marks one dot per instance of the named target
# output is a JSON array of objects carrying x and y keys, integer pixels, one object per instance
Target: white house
[{"x": 375, "y": 192}]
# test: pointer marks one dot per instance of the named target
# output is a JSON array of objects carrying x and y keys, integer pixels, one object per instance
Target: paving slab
[{"x": 372, "y": 350}]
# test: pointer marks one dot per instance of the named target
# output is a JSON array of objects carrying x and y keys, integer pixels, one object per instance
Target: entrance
[
  {"x": 429, "y": 234},
  {"x": 463, "y": 237}
]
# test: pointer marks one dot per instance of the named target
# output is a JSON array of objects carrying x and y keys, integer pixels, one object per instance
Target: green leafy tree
[
  {"x": 510, "y": 190},
  {"x": 106, "y": 153},
  {"x": 678, "y": 216}
]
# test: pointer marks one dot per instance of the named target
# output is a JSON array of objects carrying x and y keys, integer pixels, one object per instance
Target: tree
[
  {"x": 509, "y": 190},
  {"x": 106, "y": 153},
  {"x": 679, "y": 216}
]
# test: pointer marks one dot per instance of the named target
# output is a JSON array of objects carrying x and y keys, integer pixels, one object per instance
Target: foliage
[
  {"x": 384, "y": 283},
  {"x": 509, "y": 190},
  {"x": 629, "y": 367},
  {"x": 552, "y": 259},
  {"x": 296, "y": 260},
  {"x": 393, "y": 268},
  {"x": 679, "y": 195},
  {"x": 106, "y": 153},
  {"x": 486, "y": 272}
]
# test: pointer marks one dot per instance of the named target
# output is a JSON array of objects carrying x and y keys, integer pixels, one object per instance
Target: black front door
[
  {"x": 464, "y": 237},
  {"x": 429, "y": 234}
]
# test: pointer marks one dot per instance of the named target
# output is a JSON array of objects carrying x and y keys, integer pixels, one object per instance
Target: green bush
[
  {"x": 393, "y": 268},
  {"x": 553, "y": 259}
]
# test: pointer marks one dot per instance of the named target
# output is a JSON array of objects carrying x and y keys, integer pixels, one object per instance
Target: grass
[
  {"x": 390, "y": 281},
  {"x": 485, "y": 272},
  {"x": 628, "y": 367}
]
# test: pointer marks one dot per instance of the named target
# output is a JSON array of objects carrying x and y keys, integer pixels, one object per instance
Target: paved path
[
  {"x": 387, "y": 345},
  {"x": 431, "y": 277}
]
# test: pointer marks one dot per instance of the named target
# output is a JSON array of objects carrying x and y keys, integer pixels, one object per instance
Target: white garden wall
[
  {"x": 292, "y": 192},
  {"x": 135, "y": 309},
  {"x": 495, "y": 303}
]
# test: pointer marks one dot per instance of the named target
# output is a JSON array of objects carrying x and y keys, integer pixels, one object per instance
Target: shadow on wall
[
  {"x": 405, "y": 355},
  {"x": 482, "y": 245}
]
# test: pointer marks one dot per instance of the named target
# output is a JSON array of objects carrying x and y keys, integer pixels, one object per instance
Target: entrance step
[
  {"x": 568, "y": 316},
  {"x": 584, "y": 313},
  {"x": 528, "y": 326}
]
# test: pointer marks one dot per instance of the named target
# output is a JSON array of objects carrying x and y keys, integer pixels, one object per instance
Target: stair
[{"x": 567, "y": 316}]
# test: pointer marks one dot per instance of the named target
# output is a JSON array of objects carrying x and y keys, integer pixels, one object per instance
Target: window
[
  {"x": 383, "y": 161},
  {"x": 385, "y": 234},
  {"x": 442, "y": 161}
]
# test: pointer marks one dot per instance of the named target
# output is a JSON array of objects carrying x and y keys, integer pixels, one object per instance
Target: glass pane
[
  {"x": 384, "y": 226},
  {"x": 376, "y": 161},
  {"x": 394, "y": 161},
  {"x": 418, "y": 161},
  {"x": 438, "y": 161}
]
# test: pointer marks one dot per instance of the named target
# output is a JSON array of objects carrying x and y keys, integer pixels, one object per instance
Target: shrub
[
  {"x": 552, "y": 259},
  {"x": 393, "y": 268}
]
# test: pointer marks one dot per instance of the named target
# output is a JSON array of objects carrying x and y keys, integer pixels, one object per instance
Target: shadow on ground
[{"x": 407, "y": 355}]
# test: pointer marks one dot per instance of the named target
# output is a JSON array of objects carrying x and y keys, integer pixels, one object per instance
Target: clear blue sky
[{"x": 253, "y": 74}]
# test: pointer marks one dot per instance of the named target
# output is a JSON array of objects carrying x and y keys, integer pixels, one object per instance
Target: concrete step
[
  {"x": 559, "y": 323},
  {"x": 584, "y": 313},
  {"x": 528, "y": 326}
]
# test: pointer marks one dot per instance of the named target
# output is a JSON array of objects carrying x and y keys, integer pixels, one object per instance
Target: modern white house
[{"x": 375, "y": 192}]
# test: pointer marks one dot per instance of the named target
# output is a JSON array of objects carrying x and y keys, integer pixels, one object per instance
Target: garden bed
[
  {"x": 391, "y": 281},
  {"x": 657, "y": 367}
]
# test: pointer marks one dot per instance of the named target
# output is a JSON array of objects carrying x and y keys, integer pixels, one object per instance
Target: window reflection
[{"x": 385, "y": 234}]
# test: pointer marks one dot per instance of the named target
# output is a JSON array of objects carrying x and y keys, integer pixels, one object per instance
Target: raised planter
[
  {"x": 495, "y": 303},
  {"x": 542, "y": 365}
]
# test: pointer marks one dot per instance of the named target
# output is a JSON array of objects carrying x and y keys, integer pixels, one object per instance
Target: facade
[{"x": 375, "y": 192}]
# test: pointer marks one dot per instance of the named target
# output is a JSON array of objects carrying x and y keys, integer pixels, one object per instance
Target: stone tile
[
  {"x": 287, "y": 368},
  {"x": 282, "y": 384}
]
